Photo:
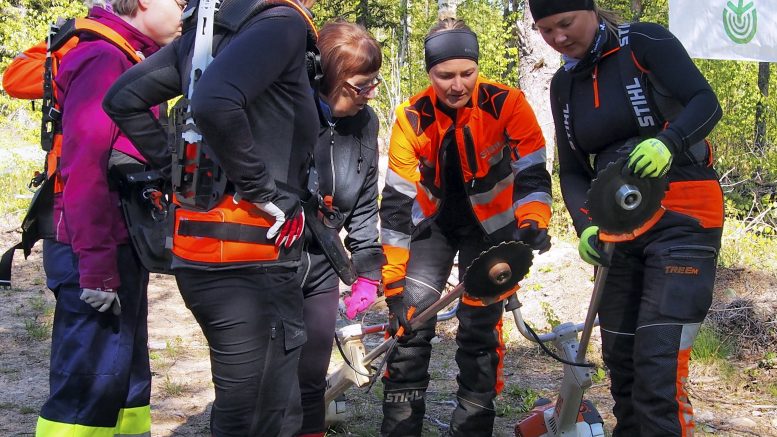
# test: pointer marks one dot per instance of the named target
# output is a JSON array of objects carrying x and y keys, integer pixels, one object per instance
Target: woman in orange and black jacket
[
  {"x": 631, "y": 91},
  {"x": 466, "y": 172}
]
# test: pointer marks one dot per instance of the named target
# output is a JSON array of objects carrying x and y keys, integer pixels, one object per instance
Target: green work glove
[
  {"x": 650, "y": 159},
  {"x": 591, "y": 249}
]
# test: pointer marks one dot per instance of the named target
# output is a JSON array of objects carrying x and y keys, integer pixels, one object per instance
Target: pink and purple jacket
[{"x": 88, "y": 216}]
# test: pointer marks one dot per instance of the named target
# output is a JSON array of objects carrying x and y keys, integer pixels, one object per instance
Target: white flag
[{"x": 744, "y": 30}]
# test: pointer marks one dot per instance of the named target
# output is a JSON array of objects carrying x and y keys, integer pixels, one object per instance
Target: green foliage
[
  {"x": 15, "y": 174},
  {"x": 517, "y": 400},
  {"x": 709, "y": 347},
  {"x": 749, "y": 246},
  {"x": 598, "y": 375},
  {"x": 550, "y": 315}
]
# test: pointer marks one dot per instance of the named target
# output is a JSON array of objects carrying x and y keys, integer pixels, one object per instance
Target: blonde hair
[
  {"x": 611, "y": 19},
  {"x": 105, "y": 4},
  {"x": 127, "y": 8}
]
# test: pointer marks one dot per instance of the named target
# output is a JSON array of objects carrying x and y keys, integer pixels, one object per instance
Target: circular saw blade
[
  {"x": 620, "y": 202},
  {"x": 498, "y": 269}
]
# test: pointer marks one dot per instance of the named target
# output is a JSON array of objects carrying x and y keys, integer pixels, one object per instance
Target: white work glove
[
  {"x": 101, "y": 300},
  {"x": 289, "y": 223}
]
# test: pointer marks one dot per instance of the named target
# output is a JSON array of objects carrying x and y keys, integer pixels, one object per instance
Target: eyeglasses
[{"x": 366, "y": 90}]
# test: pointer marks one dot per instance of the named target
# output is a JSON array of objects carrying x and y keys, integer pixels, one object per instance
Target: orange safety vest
[{"x": 498, "y": 139}]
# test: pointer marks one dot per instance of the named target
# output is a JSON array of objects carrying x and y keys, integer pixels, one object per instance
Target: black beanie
[{"x": 545, "y": 8}]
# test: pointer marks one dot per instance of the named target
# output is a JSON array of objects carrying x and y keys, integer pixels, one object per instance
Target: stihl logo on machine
[
  {"x": 682, "y": 270},
  {"x": 639, "y": 104},
  {"x": 406, "y": 396}
]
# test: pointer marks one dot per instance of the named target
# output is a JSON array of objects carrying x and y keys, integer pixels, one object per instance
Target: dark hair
[{"x": 347, "y": 49}]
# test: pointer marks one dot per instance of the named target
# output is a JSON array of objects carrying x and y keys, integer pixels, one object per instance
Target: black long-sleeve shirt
[
  {"x": 253, "y": 104},
  {"x": 597, "y": 129}
]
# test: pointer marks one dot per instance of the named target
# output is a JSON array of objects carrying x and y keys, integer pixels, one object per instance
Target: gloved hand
[
  {"x": 591, "y": 248},
  {"x": 289, "y": 219},
  {"x": 650, "y": 159},
  {"x": 398, "y": 316},
  {"x": 363, "y": 294},
  {"x": 530, "y": 233},
  {"x": 101, "y": 300}
]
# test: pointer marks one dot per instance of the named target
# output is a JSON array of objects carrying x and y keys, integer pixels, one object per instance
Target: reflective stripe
[
  {"x": 534, "y": 197},
  {"x": 536, "y": 157},
  {"x": 417, "y": 214},
  {"x": 402, "y": 185},
  {"x": 134, "y": 421},
  {"x": 498, "y": 221},
  {"x": 487, "y": 197},
  {"x": 48, "y": 428},
  {"x": 497, "y": 157},
  {"x": 689, "y": 333},
  {"x": 394, "y": 238}
]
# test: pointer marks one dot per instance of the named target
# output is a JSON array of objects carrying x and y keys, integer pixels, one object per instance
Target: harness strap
[{"x": 224, "y": 231}]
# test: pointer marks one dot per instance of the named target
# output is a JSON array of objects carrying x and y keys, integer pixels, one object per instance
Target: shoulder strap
[
  {"x": 57, "y": 39},
  {"x": 633, "y": 81},
  {"x": 75, "y": 26},
  {"x": 562, "y": 81}
]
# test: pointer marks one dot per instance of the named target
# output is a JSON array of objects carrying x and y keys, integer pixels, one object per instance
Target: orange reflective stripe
[
  {"x": 215, "y": 251},
  {"x": 537, "y": 211},
  {"x": 394, "y": 269},
  {"x": 702, "y": 200},
  {"x": 500, "y": 351},
  {"x": 685, "y": 410},
  {"x": 617, "y": 238}
]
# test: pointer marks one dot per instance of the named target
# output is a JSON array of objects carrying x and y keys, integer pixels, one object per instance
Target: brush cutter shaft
[{"x": 593, "y": 307}]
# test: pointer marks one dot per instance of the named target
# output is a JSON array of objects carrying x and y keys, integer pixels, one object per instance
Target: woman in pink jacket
[{"x": 100, "y": 380}]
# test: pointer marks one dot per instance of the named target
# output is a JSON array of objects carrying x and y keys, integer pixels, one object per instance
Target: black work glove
[
  {"x": 398, "y": 317},
  {"x": 534, "y": 236}
]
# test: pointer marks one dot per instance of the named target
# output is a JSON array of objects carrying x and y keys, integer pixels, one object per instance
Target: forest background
[{"x": 741, "y": 334}]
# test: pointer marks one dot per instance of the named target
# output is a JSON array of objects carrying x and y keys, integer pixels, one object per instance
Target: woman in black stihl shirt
[{"x": 632, "y": 91}]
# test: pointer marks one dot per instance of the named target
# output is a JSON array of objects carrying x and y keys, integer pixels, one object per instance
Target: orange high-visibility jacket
[{"x": 502, "y": 154}]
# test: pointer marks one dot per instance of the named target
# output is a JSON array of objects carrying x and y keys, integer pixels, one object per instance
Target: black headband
[
  {"x": 545, "y": 8},
  {"x": 450, "y": 44}
]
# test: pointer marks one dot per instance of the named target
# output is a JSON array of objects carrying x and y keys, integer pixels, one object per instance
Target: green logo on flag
[{"x": 740, "y": 21}]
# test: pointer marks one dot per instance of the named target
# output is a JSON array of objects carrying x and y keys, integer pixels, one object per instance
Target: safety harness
[
  {"x": 652, "y": 107},
  {"x": 38, "y": 221},
  {"x": 212, "y": 226}
]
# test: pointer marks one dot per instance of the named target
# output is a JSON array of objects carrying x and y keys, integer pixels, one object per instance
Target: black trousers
[
  {"x": 657, "y": 293},
  {"x": 321, "y": 291},
  {"x": 252, "y": 319},
  {"x": 479, "y": 339}
]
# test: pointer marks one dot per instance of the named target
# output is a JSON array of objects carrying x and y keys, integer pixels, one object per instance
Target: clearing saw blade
[
  {"x": 620, "y": 202},
  {"x": 498, "y": 269}
]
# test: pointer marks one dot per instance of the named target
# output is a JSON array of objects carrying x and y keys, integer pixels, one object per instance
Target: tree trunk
[
  {"x": 363, "y": 14},
  {"x": 537, "y": 64},
  {"x": 637, "y": 9},
  {"x": 447, "y": 8},
  {"x": 760, "y": 108},
  {"x": 404, "y": 33}
]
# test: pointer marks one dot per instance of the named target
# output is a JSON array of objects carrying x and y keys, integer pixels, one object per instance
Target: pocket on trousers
[
  {"x": 294, "y": 334},
  {"x": 689, "y": 277}
]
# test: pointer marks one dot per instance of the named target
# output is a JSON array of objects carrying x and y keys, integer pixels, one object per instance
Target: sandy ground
[{"x": 739, "y": 401}]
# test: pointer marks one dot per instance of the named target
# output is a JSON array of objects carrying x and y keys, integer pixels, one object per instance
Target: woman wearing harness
[
  {"x": 100, "y": 380},
  {"x": 632, "y": 91},
  {"x": 237, "y": 262},
  {"x": 346, "y": 159},
  {"x": 466, "y": 172}
]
